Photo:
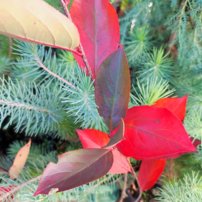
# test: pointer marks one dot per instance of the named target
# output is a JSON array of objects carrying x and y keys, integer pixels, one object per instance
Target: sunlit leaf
[{"x": 36, "y": 21}]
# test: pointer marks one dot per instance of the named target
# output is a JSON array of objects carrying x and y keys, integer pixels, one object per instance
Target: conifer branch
[
  {"x": 12, "y": 192},
  {"x": 32, "y": 109},
  {"x": 24, "y": 106},
  {"x": 40, "y": 63}
]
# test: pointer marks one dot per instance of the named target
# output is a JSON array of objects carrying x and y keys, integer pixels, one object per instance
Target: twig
[
  {"x": 14, "y": 190},
  {"x": 40, "y": 63},
  {"x": 85, "y": 59},
  {"x": 67, "y": 13},
  {"x": 64, "y": 5},
  {"x": 140, "y": 190},
  {"x": 4, "y": 171},
  {"x": 24, "y": 106},
  {"x": 123, "y": 194}
]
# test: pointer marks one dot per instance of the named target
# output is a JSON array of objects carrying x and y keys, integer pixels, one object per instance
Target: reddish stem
[
  {"x": 123, "y": 195},
  {"x": 136, "y": 178}
]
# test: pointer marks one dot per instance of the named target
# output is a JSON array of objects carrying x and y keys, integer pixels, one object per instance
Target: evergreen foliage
[
  {"x": 44, "y": 94},
  {"x": 77, "y": 90},
  {"x": 104, "y": 189},
  {"x": 32, "y": 109},
  {"x": 187, "y": 189},
  {"x": 148, "y": 92}
]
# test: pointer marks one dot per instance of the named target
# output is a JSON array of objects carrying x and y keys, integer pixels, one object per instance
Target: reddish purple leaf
[
  {"x": 117, "y": 135},
  {"x": 176, "y": 105},
  {"x": 75, "y": 168},
  {"x": 149, "y": 173},
  {"x": 195, "y": 142},
  {"x": 112, "y": 88},
  {"x": 91, "y": 138},
  {"x": 154, "y": 133},
  {"x": 98, "y": 26}
]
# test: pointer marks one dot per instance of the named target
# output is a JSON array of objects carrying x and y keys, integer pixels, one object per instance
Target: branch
[
  {"x": 67, "y": 13},
  {"x": 136, "y": 178},
  {"x": 5, "y": 196},
  {"x": 123, "y": 194},
  {"x": 24, "y": 106},
  {"x": 40, "y": 63}
]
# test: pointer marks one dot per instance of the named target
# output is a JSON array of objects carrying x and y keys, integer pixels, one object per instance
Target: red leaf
[
  {"x": 96, "y": 139},
  {"x": 91, "y": 138},
  {"x": 98, "y": 26},
  {"x": 149, "y": 173},
  {"x": 154, "y": 133},
  {"x": 176, "y": 105},
  {"x": 112, "y": 88},
  {"x": 121, "y": 164},
  {"x": 75, "y": 168}
]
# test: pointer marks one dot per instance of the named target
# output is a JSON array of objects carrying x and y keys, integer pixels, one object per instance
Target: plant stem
[
  {"x": 136, "y": 178},
  {"x": 124, "y": 188},
  {"x": 73, "y": 51},
  {"x": 3, "y": 171},
  {"x": 24, "y": 106},
  {"x": 67, "y": 13}
]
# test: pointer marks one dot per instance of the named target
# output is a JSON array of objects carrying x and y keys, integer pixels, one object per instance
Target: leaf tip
[
  {"x": 78, "y": 131},
  {"x": 36, "y": 193},
  {"x": 29, "y": 142}
]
